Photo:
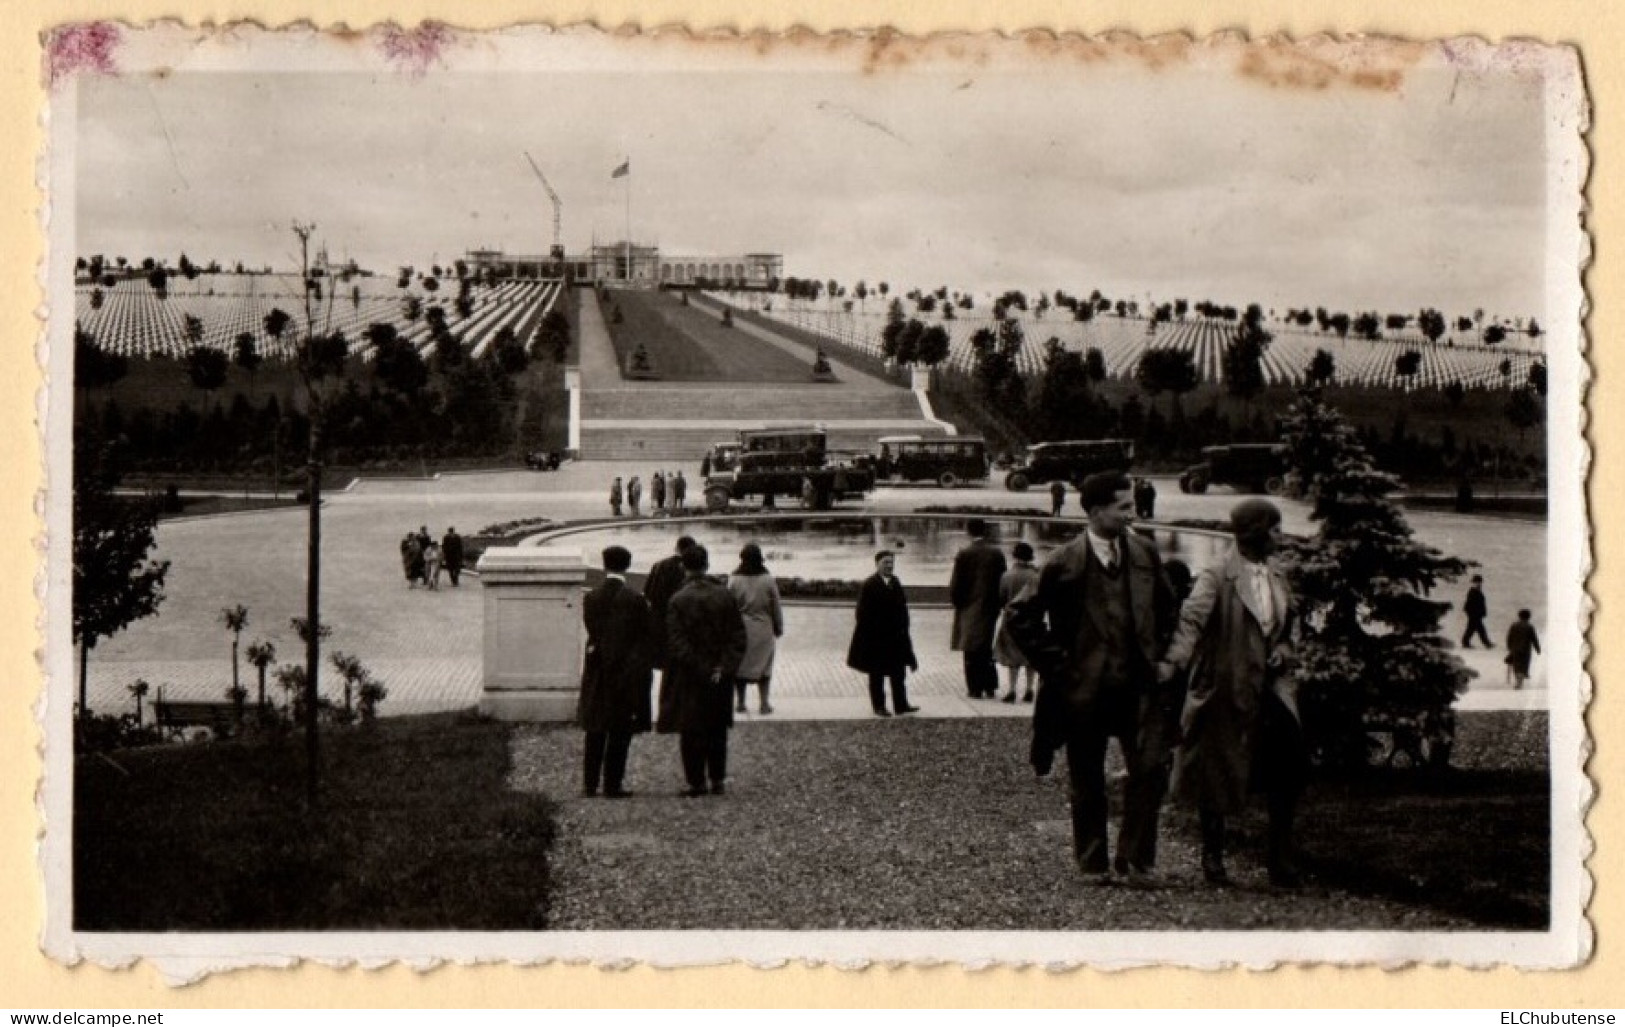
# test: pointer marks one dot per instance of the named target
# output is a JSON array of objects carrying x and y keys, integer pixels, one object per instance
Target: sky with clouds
[{"x": 1183, "y": 182}]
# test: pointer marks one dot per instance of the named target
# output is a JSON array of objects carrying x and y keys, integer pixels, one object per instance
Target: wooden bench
[{"x": 221, "y": 718}]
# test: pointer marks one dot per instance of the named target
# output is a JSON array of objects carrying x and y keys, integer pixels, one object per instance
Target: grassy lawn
[
  {"x": 691, "y": 344},
  {"x": 452, "y": 822},
  {"x": 200, "y": 506},
  {"x": 416, "y": 830}
]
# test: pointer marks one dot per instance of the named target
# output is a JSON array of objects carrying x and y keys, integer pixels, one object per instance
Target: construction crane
[{"x": 558, "y": 206}]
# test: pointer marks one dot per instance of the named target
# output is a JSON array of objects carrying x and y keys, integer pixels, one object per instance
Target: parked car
[
  {"x": 1250, "y": 468},
  {"x": 1070, "y": 461},
  {"x": 539, "y": 460}
]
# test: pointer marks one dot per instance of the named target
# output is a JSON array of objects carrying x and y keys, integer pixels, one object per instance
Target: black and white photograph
[{"x": 997, "y": 500}]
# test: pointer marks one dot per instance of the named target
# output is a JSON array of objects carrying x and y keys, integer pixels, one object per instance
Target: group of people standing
[
  {"x": 668, "y": 491},
  {"x": 423, "y": 559},
  {"x": 710, "y": 639},
  {"x": 1196, "y": 689}
]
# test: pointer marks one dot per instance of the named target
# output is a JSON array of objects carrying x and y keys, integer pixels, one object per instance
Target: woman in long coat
[
  {"x": 1015, "y": 581},
  {"x": 757, "y": 594},
  {"x": 881, "y": 646}
]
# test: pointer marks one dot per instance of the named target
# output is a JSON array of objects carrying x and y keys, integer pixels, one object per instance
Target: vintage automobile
[
  {"x": 1249, "y": 468},
  {"x": 955, "y": 460},
  {"x": 784, "y": 462},
  {"x": 1069, "y": 462}
]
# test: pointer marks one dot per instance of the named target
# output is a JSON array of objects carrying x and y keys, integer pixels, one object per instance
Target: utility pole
[{"x": 313, "y": 551}]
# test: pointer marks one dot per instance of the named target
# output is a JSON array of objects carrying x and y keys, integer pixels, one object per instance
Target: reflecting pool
[{"x": 842, "y": 545}]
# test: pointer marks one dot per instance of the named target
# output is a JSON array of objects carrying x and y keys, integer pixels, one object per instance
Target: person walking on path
[
  {"x": 411, "y": 559},
  {"x": 881, "y": 646},
  {"x": 657, "y": 492},
  {"x": 431, "y": 564},
  {"x": 973, "y": 588},
  {"x": 615, "y": 497},
  {"x": 1145, "y": 498},
  {"x": 1522, "y": 644},
  {"x": 1094, "y": 625},
  {"x": 705, "y": 642},
  {"x": 1057, "y": 498},
  {"x": 665, "y": 578},
  {"x": 634, "y": 495},
  {"x": 1477, "y": 609},
  {"x": 679, "y": 492},
  {"x": 451, "y": 551},
  {"x": 1015, "y": 581},
  {"x": 1240, "y": 724},
  {"x": 615, "y": 676},
  {"x": 757, "y": 594}
]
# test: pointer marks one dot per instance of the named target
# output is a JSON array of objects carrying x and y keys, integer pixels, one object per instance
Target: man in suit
[
  {"x": 451, "y": 551},
  {"x": 973, "y": 588},
  {"x": 881, "y": 646},
  {"x": 615, "y": 676},
  {"x": 705, "y": 643},
  {"x": 1094, "y": 625},
  {"x": 665, "y": 578},
  {"x": 1240, "y": 720},
  {"x": 1477, "y": 609}
]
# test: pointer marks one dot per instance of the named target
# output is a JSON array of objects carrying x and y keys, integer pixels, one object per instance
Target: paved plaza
[{"x": 426, "y": 646}]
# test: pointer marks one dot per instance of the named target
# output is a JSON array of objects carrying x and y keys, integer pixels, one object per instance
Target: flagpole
[{"x": 628, "y": 177}]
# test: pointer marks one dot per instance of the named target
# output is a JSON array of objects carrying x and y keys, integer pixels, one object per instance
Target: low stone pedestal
[{"x": 533, "y": 633}]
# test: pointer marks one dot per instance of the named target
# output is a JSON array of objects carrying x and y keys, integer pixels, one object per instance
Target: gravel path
[{"x": 900, "y": 825}]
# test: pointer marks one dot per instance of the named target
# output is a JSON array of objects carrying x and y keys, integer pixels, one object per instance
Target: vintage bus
[{"x": 951, "y": 461}]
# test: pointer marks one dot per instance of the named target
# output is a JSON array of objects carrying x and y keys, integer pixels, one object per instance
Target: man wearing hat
[
  {"x": 1240, "y": 722},
  {"x": 1094, "y": 625},
  {"x": 615, "y": 676},
  {"x": 973, "y": 588},
  {"x": 705, "y": 643},
  {"x": 1476, "y": 609}
]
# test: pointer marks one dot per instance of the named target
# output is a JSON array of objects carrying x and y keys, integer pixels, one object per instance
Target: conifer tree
[{"x": 1372, "y": 652}]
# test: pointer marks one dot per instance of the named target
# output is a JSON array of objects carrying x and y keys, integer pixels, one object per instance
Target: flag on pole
[{"x": 624, "y": 170}]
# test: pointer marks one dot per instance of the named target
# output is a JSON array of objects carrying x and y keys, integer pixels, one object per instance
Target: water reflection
[{"x": 842, "y": 546}]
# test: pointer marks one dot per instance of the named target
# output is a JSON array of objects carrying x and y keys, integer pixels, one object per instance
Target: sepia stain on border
[
  {"x": 87, "y": 46},
  {"x": 413, "y": 50}
]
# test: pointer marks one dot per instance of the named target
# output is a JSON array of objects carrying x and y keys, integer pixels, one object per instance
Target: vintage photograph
[{"x": 680, "y": 498}]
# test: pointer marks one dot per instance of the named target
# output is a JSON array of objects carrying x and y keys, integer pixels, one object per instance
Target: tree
[
  {"x": 1455, "y": 393},
  {"x": 1366, "y": 326},
  {"x": 1432, "y": 323},
  {"x": 1243, "y": 362},
  {"x": 1322, "y": 368},
  {"x": 139, "y": 690},
  {"x": 94, "y": 367},
  {"x": 1533, "y": 329},
  {"x": 261, "y": 653},
  {"x": 1407, "y": 364},
  {"x": 246, "y": 352},
  {"x": 1371, "y": 648},
  {"x": 235, "y": 618},
  {"x": 206, "y": 367},
  {"x": 1537, "y": 377},
  {"x": 1494, "y": 334},
  {"x": 554, "y": 335},
  {"x": 1065, "y": 396},
  {"x": 1524, "y": 411},
  {"x": 995, "y": 352},
  {"x": 932, "y": 349},
  {"x": 115, "y": 583},
  {"x": 1167, "y": 370}
]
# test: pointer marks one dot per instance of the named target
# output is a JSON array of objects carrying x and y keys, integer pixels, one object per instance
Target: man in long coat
[
  {"x": 615, "y": 677},
  {"x": 1240, "y": 722},
  {"x": 881, "y": 646},
  {"x": 665, "y": 578},
  {"x": 451, "y": 552},
  {"x": 1094, "y": 625},
  {"x": 973, "y": 588},
  {"x": 705, "y": 640}
]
